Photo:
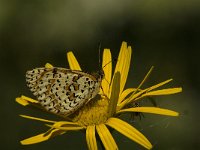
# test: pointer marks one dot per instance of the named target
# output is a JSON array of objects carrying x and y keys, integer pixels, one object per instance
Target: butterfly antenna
[
  {"x": 106, "y": 64},
  {"x": 99, "y": 54}
]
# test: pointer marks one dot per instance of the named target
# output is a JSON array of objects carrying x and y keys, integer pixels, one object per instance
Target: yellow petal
[
  {"x": 129, "y": 131},
  {"x": 160, "y": 92},
  {"x": 48, "y": 65},
  {"x": 41, "y": 137},
  {"x": 107, "y": 68},
  {"x": 73, "y": 63},
  {"x": 163, "y": 92},
  {"x": 145, "y": 78},
  {"x": 91, "y": 138},
  {"x": 159, "y": 84},
  {"x": 153, "y": 110},
  {"x": 135, "y": 96},
  {"x": 114, "y": 94},
  {"x": 120, "y": 61},
  {"x": 29, "y": 99},
  {"x": 65, "y": 124},
  {"x": 23, "y": 100},
  {"x": 125, "y": 93},
  {"x": 39, "y": 119},
  {"x": 106, "y": 137},
  {"x": 123, "y": 63},
  {"x": 131, "y": 98},
  {"x": 69, "y": 128},
  {"x": 126, "y": 67}
]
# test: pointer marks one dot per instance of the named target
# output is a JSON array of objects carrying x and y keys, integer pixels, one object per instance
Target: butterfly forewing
[{"x": 62, "y": 91}]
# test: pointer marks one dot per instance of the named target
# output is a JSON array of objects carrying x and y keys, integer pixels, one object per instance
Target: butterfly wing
[{"x": 62, "y": 91}]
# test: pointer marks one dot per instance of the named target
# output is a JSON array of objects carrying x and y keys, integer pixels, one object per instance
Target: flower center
[{"x": 95, "y": 112}]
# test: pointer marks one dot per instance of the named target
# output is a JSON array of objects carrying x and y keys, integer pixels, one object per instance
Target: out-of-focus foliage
[{"x": 164, "y": 33}]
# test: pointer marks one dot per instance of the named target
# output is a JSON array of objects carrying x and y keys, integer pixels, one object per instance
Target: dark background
[{"x": 163, "y": 33}]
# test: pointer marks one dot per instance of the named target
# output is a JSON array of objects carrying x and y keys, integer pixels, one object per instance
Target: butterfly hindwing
[{"x": 62, "y": 91}]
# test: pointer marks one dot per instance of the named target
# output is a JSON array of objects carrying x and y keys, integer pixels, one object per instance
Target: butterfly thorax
[{"x": 63, "y": 91}]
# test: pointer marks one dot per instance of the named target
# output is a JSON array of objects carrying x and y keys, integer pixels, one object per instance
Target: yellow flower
[{"x": 104, "y": 111}]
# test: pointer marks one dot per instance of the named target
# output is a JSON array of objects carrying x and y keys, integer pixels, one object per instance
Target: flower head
[{"x": 104, "y": 110}]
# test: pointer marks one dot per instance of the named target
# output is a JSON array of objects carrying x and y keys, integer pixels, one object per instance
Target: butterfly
[{"x": 63, "y": 91}]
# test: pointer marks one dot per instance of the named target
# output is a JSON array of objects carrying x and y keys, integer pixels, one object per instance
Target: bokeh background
[{"x": 163, "y": 33}]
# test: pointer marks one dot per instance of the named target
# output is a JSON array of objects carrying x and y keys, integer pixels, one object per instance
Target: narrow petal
[
  {"x": 66, "y": 125},
  {"x": 135, "y": 96},
  {"x": 91, "y": 138},
  {"x": 69, "y": 128},
  {"x": 123, "y": 63},
  {"x": 131, "y": 98},
  {"x": 114, "y": 94},
  {"x": 153, "y": 110},
  {"x": 107, "y": 68},
  {"x": 29, "y": 99},
  {"x": 73, "y": 63},
  {"x": 164, "y": 92},
  {"x": 48, "y": 65},
  {"x": 126, "y": 67},
  {"x": 41, "y": 137},
  {"x": 159, "y": 84},
  {"x": 39, "y": 119},
  {"x": 120, "y": 61},
  {"x": 145, "y": 78},
  {"x": 23, "y": 100},
  {"x": 125, "y": 93},
  {"x": 159, "y": 92},
  {"x": 106, "y": 137},
  {"x": 129, "y": 131}
]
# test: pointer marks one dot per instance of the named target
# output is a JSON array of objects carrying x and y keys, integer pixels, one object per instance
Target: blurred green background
[{"x": 163, "y": 33}]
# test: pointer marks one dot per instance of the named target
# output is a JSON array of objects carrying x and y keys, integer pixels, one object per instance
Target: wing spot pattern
[{"x": 62, "y": 91}]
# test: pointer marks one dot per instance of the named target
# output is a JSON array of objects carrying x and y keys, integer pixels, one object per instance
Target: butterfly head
[{"x": 99, "y": 75}]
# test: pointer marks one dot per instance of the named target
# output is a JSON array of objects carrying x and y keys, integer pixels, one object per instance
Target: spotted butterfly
[{"x": 63, "y": 91}]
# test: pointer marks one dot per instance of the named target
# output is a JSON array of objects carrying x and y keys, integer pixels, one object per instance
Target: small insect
[{"x": 62, "y": 91}]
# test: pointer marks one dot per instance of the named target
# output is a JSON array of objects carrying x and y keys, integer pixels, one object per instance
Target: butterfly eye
[{"x": 101, "y": 74}]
